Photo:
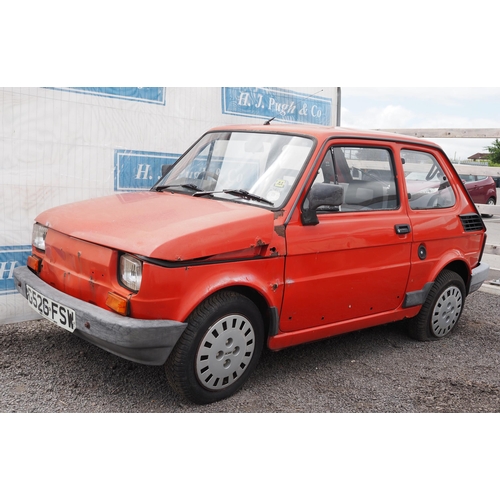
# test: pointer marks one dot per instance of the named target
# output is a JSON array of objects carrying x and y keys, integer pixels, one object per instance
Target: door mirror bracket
[{"x": 331, "y": 195}]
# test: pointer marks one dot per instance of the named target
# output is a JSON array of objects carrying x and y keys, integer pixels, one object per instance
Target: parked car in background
[{"x": 482, "y": 189}]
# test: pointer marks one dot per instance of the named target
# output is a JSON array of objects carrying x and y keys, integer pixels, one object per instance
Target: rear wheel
[
  {"x": 441, "y": 310},
  {"x": 218, "y": 350}
]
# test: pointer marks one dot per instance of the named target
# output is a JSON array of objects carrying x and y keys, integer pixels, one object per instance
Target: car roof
[{"x": 324, "y": 132}]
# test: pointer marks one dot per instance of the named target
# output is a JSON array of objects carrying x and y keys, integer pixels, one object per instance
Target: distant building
[{"x": 479, "y": 157}]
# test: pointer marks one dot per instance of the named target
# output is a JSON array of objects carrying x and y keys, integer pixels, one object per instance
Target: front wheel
[
  {"x": 218, "y": 350},
  {"x": 441, "y": 310}
]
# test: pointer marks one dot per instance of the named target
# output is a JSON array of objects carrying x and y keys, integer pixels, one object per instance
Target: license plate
[{"x": 53, "y": 311}]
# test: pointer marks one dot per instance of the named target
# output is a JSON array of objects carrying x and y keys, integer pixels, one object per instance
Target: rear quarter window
[{"x": 427, "y": 185}]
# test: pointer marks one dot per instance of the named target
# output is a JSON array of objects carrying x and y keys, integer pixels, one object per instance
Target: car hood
[{"x": 165, "y": 225}]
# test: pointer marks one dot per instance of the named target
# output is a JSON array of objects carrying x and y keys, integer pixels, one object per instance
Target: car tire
[
  {"x": 441, "y": 310},
  {"x": 491, "y": 201},
  {"x": 219, "y": 349}
]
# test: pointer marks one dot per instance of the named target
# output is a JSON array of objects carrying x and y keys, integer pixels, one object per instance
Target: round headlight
[{"x": 131, "y": 272}]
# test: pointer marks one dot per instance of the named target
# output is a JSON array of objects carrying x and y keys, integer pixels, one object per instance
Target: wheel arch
[
  {"x": 268, "y": 312},
  {"x": 462, "y": 269}
]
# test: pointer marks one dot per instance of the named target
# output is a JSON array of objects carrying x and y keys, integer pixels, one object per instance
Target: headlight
[
  {"x": 131, "y": 272},
  {"x": 38, "y": 236}
]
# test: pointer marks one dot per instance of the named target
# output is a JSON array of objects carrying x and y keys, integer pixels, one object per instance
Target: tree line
[{"x": 494, "y": 151}]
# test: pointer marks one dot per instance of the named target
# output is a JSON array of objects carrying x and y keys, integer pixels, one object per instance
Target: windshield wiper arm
[
  {"x": 247, "y": 196},
  {"x": 192, "y": 187},
  {"x": 236, "y": 192}
]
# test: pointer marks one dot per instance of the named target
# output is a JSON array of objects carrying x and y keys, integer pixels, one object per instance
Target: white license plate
[{"x": 53, "y": 311}]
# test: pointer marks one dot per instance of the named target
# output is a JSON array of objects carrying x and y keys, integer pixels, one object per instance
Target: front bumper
[
  {"x": 479, "y": 276},
  {"x": 148, "y": 342}
]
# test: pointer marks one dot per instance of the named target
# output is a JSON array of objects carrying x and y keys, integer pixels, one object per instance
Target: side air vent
[{"x": 472, "y": 222}]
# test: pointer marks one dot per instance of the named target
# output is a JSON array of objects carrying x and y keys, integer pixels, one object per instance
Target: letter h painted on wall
[{"x": 10, "y": 258}]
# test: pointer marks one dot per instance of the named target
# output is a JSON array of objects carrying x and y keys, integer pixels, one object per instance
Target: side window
[
  {"x": 426, "y": 183},
  {"x": 365, "y": 173}
]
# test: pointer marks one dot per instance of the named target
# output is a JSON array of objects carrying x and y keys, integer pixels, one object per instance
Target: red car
[
  {"x": 261, "y": 236},
  {"x": 482, "y": 189}
]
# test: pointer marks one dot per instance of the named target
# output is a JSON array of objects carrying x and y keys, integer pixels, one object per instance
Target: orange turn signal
[
  {"x": 118, "y": 303},
  {"x": 34, "y": 263}
]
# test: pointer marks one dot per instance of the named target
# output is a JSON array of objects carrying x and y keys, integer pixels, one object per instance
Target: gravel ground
[{"x": 43, "y": 369}]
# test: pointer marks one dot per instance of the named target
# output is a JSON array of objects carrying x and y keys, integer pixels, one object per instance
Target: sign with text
[
  {"x": 152, "y": 95},
  {"x": 279, "y": 104},
  {"x": 139, "y": 170},
  {"x": 10, "y": 258}
]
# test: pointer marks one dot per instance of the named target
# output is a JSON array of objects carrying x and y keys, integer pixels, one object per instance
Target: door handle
[{"x": 402, "y": 228}]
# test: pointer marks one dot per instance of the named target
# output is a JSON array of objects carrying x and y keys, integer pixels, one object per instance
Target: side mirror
[{"x": 320, "y": 195}]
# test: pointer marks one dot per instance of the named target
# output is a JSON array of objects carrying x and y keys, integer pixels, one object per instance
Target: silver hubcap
[
  {"x": 446, "y": 311},
  {"x": 225, "y": 352}
]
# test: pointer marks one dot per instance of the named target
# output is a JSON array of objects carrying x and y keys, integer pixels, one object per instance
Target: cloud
[
  {"x": 446, "y": 94},
  {"x": 391, "y": 116},
  {"x": 425, "y": 108},
  {"x": 461, "y": 149}
]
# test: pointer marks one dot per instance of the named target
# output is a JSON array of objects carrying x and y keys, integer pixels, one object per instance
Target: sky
[{"x": 425, "y": 107}]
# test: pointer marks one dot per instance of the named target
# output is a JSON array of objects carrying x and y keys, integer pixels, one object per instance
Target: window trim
[
  {"x": 328, "y": 149},
  {"x": 435, "y": 162}
]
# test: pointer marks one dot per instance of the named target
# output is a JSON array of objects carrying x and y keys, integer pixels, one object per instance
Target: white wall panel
[{"x": 60, "y": 145}]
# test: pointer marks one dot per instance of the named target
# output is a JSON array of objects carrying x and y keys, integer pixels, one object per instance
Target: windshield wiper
[
  {"x": 192, "y": 187},
  {"x": 247, "y": 196},
  {"x": 237, "y": 192}
]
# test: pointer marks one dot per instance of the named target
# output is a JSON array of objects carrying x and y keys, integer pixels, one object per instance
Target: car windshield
[{"x": 257, "y": 168}]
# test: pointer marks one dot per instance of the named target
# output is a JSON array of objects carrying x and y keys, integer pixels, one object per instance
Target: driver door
[{"x": 356, "y": 261}]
